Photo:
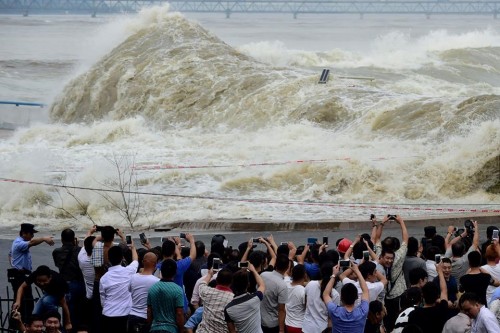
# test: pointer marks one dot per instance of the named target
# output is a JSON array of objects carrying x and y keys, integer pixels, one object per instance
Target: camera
[
  {"x": 325, "y": 240},
  {"x": 469, "y": 226},
  {"x": 217, "y": 263},
  {"x": 344, "y": 263},
  {"x": 391, "y": 217},
  {"x": 129, "y": 239},
  {"x": 437, "y": 258},
  {"x": 243, "y": 264},
  {"x": 182, "y": 235}
]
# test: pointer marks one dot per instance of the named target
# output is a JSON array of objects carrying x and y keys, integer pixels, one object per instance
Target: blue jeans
[{"x": 45, "y": 304}]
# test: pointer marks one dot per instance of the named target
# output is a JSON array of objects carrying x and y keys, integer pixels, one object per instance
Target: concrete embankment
[{"x": 242, "y": 225}]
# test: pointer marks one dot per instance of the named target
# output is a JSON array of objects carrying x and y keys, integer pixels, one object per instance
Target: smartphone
[
  {"x": 98, "y": 228},
  {"x": 311, "y": 241},
  {"x": 284, "y": 243},
  {"x": 243, "y": 264},
  {"x": 372, "y": 216},
  {"x": 325, "y": 240},
  {"x": 344, "y": 263},
  {"x": 129, "y": 239},
  {"x": 391, "y": 217},
  {"x": 182, "y": 235},
  {"x": 143, "y": 238},
  {"x": 256, "y": 240},
  {"x": 437, "y": 258},
  {"x": 495, "y": 235},
  {"x": 216, "y": 264},
  {"x": 366, "y": 255},
  {"x": 225, "y": 243},
  {"x": 162, "y": 239}
]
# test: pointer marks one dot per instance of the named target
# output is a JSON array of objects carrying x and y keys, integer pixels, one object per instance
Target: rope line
[{"x": 267, "y": 201}]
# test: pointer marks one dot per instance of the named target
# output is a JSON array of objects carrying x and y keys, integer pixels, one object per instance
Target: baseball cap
[
  {"x": 28, "y": 227},
  {"x": 344, "y": 245}
]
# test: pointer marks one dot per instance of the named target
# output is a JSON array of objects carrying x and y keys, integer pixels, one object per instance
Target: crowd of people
[{"x": 371, "y": 284}]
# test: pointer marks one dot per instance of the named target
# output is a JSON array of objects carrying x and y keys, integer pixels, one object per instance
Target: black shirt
[
  {"x": 476, "y": 283},
  {"x": 68, "y": 267},
  {"x": 431, "y": 319},
  {"x": 57, "y": 287}
]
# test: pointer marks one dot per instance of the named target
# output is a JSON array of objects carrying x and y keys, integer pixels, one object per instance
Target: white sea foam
[{"x": 424, "y": 132}]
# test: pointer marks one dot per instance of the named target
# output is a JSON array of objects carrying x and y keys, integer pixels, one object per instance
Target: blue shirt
[
  {"x": 496, "y": 295},
  {"x": 344, "y": 321},
  {"x": 195, "y": 319},
  {"x": 20, "y": 254}
]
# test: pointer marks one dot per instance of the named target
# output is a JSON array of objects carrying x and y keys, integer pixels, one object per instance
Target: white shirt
[
  {"x": 485, "y": 322},
  {"x": 88, "y": 272},
  {"x": 139, "y": 287},
  {"x": 431, "y": 269},
  {"x": 374, "y": 289},
  {"x": 495, "y": 273},
  {"x": 195, "y": 298},
  {"x": 116, "y": 298},
  {"x": 295, "y": 306},
  {"x": 316, "y": 316}
]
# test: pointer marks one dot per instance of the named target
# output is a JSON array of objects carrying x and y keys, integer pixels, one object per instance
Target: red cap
[{"x": 344, "y": 245}]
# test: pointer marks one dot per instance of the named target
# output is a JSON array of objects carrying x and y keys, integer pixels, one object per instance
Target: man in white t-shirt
[
  {"x": 296, "y": 304},
  {"x": 139, "y": 287},
  {"x": 375, "y": 281}
]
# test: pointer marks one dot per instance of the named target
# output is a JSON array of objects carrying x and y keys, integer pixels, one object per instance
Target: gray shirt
[{"x": 276, "y": 293}]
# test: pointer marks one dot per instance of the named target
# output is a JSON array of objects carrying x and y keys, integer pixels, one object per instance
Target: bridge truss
[{"x": 294, "y": 7}]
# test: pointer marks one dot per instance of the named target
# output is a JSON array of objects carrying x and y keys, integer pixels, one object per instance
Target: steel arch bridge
[{"x": 293, "y": 7}]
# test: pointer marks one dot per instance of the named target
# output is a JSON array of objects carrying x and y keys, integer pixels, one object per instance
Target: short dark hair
[
  {"x": 367, "y": 268},
  {"x": 42, "y": 270},
  {"x": 282, "y": 263},
  {"x": 417, "y": 274},
  {"x": 298, "y": 272},
  {"x": 115, "y": 255},
  {"x": 168, "y": 269},
  {"x": 257, "y": 258},
  {"x": 458, "y": 249},
  {"x": 412, "y": 246},
  {"x": 470, "y": 297},
  {"x": 31, "y": 319},
  {"x": 168, "y": 248},
  {"x": 240, "y": 282},
  {"x": 413, "y": 295},
  {"x": 87, "y": 244},
  {"x": 430, "y": 293},
  {"x": 200, "y": 248},
  {"x": 387, "y": 251},
  {"x": 108, "y": 233},
  {"x": 51, "y": 314},
  {"x": 474, "y": 259},
  {"x": 225, "y": 277},
  {"x": 446, "y": 260},
  {"x": 349, "y": 294},
  {"x": 376, "y": 306},
  {"x": 67, "y": 236}
]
